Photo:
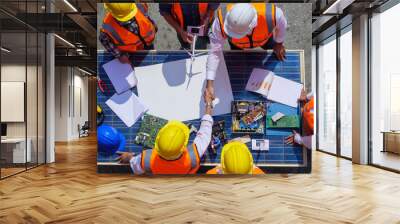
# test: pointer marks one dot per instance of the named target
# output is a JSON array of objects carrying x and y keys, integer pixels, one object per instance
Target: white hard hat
[{"x": 240, "y": 20}]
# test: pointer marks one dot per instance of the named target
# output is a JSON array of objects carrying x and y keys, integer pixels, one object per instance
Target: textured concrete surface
[{"x": 299, "y": 31}]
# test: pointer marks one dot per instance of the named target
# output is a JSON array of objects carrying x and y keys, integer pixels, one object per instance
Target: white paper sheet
[
  {"x": 285, "y": 91},
  {"x": 121, "y": 75},
  {"x": 127, "y": 106},
  {"x": 260, "y": 81},
  {"x": 171, "y": 93}
]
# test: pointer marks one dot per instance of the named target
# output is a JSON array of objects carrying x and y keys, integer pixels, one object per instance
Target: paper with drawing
[{"x": 171, "y": 92}]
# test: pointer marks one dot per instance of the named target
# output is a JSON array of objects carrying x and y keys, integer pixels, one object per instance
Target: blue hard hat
[{"x": 109, "y": 140}]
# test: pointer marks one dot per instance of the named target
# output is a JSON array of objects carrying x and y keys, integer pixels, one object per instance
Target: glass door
[
  {"x": 385, "y": 90},
  {"x": 346, "y": 92},
  {"x": 327, "y": 96}
]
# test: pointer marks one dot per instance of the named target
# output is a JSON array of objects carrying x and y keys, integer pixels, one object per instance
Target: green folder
[
  {"x": 148, "y": 130},
  {"x": 288, "y": 121}
]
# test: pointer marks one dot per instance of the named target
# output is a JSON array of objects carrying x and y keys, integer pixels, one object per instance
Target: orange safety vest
[
  {"x": 308, "y": 118},
  {"x": 216, "y": 170},
  {"x": 177, "y": 13},
  {"x": 266, "y": 23},
  {"x": 188, "y": 163},
  {"x": 125, "y": 40}
]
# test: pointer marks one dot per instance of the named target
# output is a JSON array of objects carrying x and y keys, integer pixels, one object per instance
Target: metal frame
[
  {"x": 44, "y": 74},
  {"x": 381, "y": 9},
  {"x": 338, "y": 34}
]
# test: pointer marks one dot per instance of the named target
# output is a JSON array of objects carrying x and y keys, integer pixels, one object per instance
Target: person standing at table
[
  {"x": 182, "y": 15},
  {"x": 126, "y": 29},
  {"x": 171, "y": 153},
  {"x": 236, "y": 158},
  {"x": 245, "y": 26},
  {"x": 307, "y": 112}
]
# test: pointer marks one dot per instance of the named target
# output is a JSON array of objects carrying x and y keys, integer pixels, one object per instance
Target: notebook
[
  {"x": 127, "y": 106},
  {"x": 121, "y": 75},
  {"x": 274, "y": 87}
]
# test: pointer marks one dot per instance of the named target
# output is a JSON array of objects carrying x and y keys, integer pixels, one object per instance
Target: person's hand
[
  {"x": 295, "y": 138},
  {"x": 303, "y": 96},
  {"x": 210, "y": 88},
  {"x": 280, "y": 51},
  {"x": 205, "y": 22},
  {"x": 187, "y": 37},
  {"x": 125, "y": 157},
  {"x": 208, "y": 96},
  {"x": 124, "y": 59}
]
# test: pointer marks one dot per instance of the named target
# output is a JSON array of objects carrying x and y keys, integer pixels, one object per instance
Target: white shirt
[
  {"x": 217, "y": 42},
  {"x": 202, "y": 140}
]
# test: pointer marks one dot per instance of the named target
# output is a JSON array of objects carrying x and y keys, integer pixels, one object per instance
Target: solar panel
[{"x": 240, "y": 65}]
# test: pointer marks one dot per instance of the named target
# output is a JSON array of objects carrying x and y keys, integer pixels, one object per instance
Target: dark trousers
[{"x": 267, "y": 46}]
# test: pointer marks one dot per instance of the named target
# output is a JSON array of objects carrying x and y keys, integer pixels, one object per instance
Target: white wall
[{"x": 70, "y": 81}]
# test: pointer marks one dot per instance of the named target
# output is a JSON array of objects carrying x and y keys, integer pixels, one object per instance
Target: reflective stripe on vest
[
  {"x": 270, "y": 15},
  {"x": 152, "y": 163},
  {"x": 111, "y": 29},
  {"x": 264, "y": 28},
  {"x": 147, "y": 160},
  {"x": 141, "y": 8}
]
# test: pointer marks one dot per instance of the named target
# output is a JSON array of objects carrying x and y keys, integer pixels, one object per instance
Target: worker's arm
[
  {"x": 279, "y": 35},
  {"x": 136, "y": 164},
  {"x": 133, "y": 160},
  {"x": 215, "y": 54},
  {"x": 165, "y": 11},
  {"x": 110, "y": 47},
  {"x": 212, "y": 7},
  {"x": 305, "y": 141},
  {"x": 203, "y": 137},
  {"x": 281, "y": 25}
]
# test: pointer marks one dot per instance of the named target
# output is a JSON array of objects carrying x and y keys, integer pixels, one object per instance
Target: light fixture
[
  {"x": 338, "y": 6},
  {"x": 70, "y": 5},
  {"x": 64, "y": 40},
  {"x": 5, "y": 50},
  {"x": 84, "y": 71}
]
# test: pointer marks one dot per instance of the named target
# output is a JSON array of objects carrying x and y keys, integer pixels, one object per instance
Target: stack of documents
[
  {"x": 273, "y": 87},
  {"x": 125, "y": 104}
]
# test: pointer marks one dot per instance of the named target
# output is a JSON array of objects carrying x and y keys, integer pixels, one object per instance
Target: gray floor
[{"x": 299, "y": 31}]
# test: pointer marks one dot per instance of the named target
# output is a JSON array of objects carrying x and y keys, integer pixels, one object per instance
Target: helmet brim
[{"x": 233, "y": 34}]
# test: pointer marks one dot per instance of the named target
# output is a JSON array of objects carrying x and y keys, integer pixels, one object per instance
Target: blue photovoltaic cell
[{"x": 240, "y": 66}]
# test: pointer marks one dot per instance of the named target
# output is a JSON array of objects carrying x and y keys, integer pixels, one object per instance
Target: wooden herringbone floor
[{"x": 70, "y": 191}]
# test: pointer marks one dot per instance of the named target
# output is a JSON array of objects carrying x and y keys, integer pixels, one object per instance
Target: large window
[
  {"x": 346, "y": 92},
  {"x": 385, "y": 89},
  {"x": 327, "y": 96}
]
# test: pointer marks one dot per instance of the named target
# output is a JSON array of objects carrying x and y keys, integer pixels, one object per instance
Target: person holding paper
[
  {"x": 127, "y": 28},
  {"x": 245, "y": 26},
  {"x": 171, "y": 154},
  {"x": 308, "y": 123},
  {"x": 183, "y": 15},
  {"x": 236, "y": 158}
]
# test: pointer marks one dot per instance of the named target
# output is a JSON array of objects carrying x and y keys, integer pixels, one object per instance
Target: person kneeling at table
[
  {"x": 236, "y": 158},
  {"x": 171, "y": 153}
]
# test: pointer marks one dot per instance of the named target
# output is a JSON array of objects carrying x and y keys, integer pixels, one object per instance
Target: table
[
  {"x": 391, "y": 141},
  {"x": 280, "y": 158},
  {"x": 16, "y": 148}
]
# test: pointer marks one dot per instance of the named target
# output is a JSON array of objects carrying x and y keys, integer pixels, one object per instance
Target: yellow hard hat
[
  {"x": 236, "y": 159},
  {"x": 99, "y": 110},
  {"x": 121, "y": 11},
  {"x": 172, "y": 139}
]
